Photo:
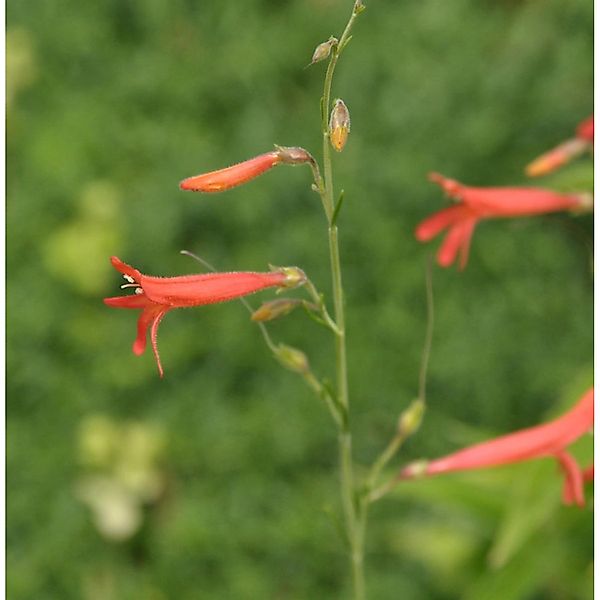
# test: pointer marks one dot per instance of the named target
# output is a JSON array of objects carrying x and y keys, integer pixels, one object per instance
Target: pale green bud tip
[
  {"x": 293, "y": 155},
  {"x": 586, "y": 202},
  {"x": 323, "y": 50},
  {"x": 414, "y": 469},
  {"x": 410, "y": 419},
  {"x": 359, "y": 7},
  {"x": 275, "y": 308},
  {"x": 292, "y": 359},
  {"x": 294, "y": 277},
  {"x": 339, "y": 125}
]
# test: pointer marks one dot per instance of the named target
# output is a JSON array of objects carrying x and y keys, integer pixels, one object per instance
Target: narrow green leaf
[{"x": 338, "y": 206}]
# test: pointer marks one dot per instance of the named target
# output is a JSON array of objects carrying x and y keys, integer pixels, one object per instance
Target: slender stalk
[
  {"x": 354, "y": 513},
  {"x": 429, "y": 331}
]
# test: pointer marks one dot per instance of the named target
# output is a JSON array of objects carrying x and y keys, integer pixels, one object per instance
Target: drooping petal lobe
[
  {"x": 437, "y": 222},
  {"x": 573, "y": 485}
]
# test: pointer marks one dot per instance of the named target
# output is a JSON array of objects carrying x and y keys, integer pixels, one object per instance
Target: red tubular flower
[
  {"x": 230, "y": 177},
  {"x": 476, "y": 203},
  {"x": 585, "y": 129},
  {"x": 155, "y": 296},
  {"x": 225, "y": 179},
  {"x": 548, "y": 440},
  {"x": 564, "y": 152}
]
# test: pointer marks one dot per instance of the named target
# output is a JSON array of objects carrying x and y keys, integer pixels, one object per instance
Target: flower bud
[
  {"x": 323, "y": 50},
  {"x": 293, "y": 155},
  {"x": 415, "y": 469},
  {"x": 410, "y": 419},
  {"x": 359, "y": 7},
  {"x": 339, "y": 125},
  {"x": 586, "y": 203},
  {"x": 274, "y": 309},
  {"x": 294, "y": 277},
  {"x": 230, "y": 177},
  {"x": 292, "y": 359}
]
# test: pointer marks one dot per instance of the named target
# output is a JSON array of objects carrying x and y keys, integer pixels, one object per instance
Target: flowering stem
[
  {"x": 320, "y": 390},
  {"x": 354, "y": 513},
  {"x": 324, "y": 313}
]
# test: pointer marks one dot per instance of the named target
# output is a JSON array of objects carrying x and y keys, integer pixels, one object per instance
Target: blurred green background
[{"x": 218, "y": 481}]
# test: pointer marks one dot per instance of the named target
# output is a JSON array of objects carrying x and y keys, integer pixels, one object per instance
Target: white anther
[
  {"x": 129, "y": 278},
  {"x": 139, "y": 290}
]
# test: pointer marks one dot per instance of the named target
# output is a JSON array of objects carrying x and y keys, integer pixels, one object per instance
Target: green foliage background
[{"x": 110, "y": 104}]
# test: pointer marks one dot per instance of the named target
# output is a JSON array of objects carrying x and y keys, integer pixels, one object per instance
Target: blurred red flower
[
  {"x": 477, "y": 203},
  {"x": 547, "y": 440}
]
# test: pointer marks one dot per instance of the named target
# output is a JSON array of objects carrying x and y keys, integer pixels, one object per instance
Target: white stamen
[
  {"x": 129, "y": 278},
  {"x": 139, "y": 290},
  {"x": 130, "y": 285}
]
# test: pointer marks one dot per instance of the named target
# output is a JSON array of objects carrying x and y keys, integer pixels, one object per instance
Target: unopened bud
[
  {"x": 557, "y": 157},
  {"x": 414, "y": 469},
  {"x": 292, "y": 359},
  {"x": 294, "y": 277},
  {"x": 410, "y": 419},
  {"x": 359, "y": 7},
  {"x": 275, "y": 308},
  {"x": 323, "y": 50},
  {"x": 339, "y": 125},
  {"x": 293, "y": 155},
  {"x": 586, "y": 203}
]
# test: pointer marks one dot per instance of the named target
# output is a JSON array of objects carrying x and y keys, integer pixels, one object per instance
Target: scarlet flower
[
  {"x": 477, "y": 203},
  {"x": 230, "y": 177},
  {"x": 547, "y": 440},
  {"x": 155, "y": 296},
  {"x": 564, "y": 152},
  {"x": 585, "y": 129}
]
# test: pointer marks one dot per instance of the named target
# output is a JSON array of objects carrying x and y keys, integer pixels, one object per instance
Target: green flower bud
[
  {"x": 275, "y": 308},
  {"x": 292, "y": 359},
  {"x": 410, "y": 419}
]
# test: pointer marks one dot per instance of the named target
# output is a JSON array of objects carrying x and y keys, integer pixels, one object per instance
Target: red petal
[
  {"x": 125, "y": 269},
  {"x": 132, "y": 301},
  {"x": 153, "y": 339},
  {"x": 148, "y": 316},
  {"x": 573, "y": 486},
  {"x": 450, "y": 246},
  {"x": 467, "y": 234},
  {"x": 437, "y": 222}
]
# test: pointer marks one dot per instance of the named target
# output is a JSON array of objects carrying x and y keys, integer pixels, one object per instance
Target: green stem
[{"x": 354, "y": 510}]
